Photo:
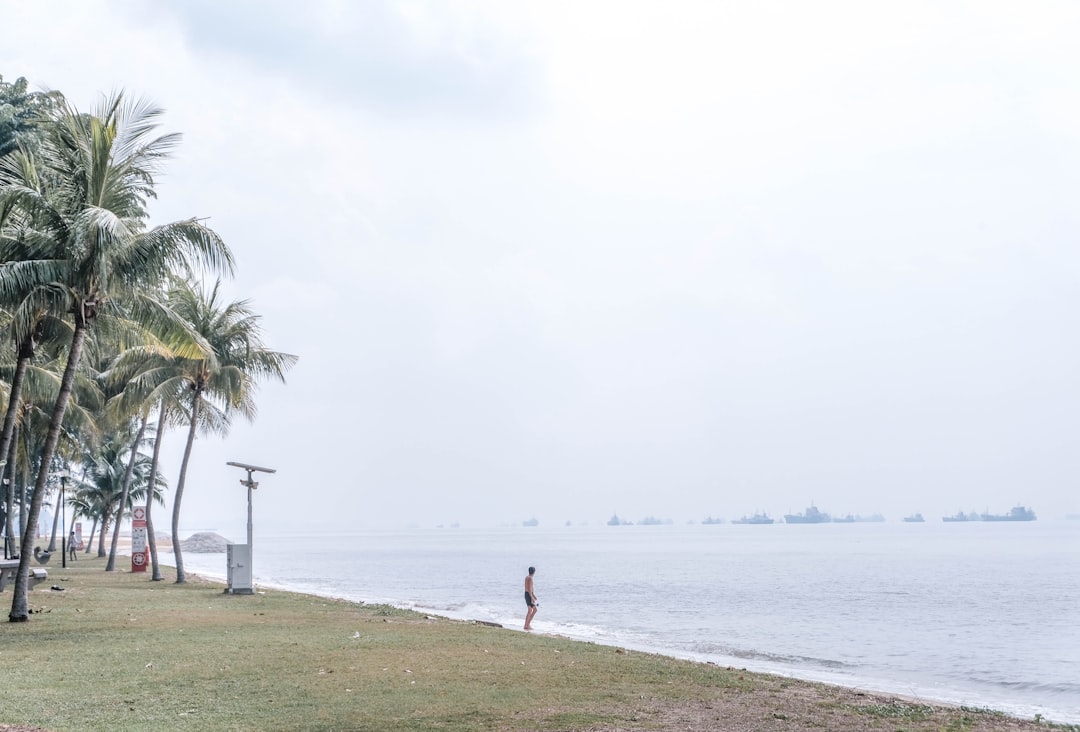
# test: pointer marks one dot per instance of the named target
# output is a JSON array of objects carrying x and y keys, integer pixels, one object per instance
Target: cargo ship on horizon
[
  {"x": 1018, "y": 513},
  {"x": 811, "y": 516}
]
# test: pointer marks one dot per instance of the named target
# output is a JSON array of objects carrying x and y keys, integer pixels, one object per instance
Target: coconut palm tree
[
  {"x": 99, "y": 251},
  {"x": 20, "y": 112},
  {"x": 148, "y": 375},
  {"x": 223, "y": 380},
  {"x": 132, "y": 379},
  {"x": 112, "y": 487},
  {"x": 27, "y": 307}
]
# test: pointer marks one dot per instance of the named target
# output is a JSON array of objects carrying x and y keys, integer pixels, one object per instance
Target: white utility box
[{"x": 238, "y": 557}]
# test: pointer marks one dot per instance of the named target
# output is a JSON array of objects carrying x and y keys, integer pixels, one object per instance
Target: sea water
[{"x": 979, "y": 614}]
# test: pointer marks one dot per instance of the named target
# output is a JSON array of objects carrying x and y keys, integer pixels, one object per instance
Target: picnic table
[{"x": 10, "y": 567}]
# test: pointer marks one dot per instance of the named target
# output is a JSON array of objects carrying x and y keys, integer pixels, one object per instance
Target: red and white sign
[{"x": 139, "y": 553}]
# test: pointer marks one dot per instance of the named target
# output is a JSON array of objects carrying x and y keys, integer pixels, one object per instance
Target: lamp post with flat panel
[{"x": 238, "y": 559}]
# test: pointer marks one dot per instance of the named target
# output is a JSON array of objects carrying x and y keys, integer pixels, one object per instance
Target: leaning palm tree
[
  {"x": 148, "y": 375},
  {"x": 98, "y": 250},
  {"x": 29, "y": 309},
  {"x": 222, "y": 381},
  {"x": 42, "y": 382},
  {"x": 131, "y": 379}
]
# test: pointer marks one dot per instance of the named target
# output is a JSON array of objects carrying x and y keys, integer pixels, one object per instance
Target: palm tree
[
  {"x": 151, "y": 535},
  {"x": 24, "y": 109},
  {"x": 99, "y": 251},
  {"x": 110, "y": 472},
  {"x": 223, "y": 380},
  {"x": 148, "y": 377},
  {"x": 133, "y": 379},
  {"x": 27, "y": 306},
  {"x": 125, "y": 487},
  {"x": 85, "y": 503},
  {"x": 41, "y": 383}
]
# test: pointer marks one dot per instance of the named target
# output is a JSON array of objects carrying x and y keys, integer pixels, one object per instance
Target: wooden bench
[{"x": 10, "y": 567}]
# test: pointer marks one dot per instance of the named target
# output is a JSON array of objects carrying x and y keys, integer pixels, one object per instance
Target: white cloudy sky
[{"x": 560, "y": 259}]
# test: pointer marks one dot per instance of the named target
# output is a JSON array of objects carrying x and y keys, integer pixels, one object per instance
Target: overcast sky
[{"x": 563, "y": 259}]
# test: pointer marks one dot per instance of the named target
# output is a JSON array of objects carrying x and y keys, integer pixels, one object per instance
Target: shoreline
[
  {"x": 879, "y": 687},
  {"x": 327, "y": 664}
]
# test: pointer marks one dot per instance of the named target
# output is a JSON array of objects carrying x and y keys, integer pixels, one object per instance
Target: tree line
[{"x": 114, "y": 328}]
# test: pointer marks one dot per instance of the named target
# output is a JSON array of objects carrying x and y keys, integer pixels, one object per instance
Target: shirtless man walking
[{"x": 530, "y": 599}]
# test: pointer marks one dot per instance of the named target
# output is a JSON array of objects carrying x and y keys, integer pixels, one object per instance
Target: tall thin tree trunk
[
  {"x": 90, "y": 541},
  {"x": 20, "y": 604},
  {"x": 55, "y": 524},
  {"x": 155, "y": 574},
  {"x": 20, "y": 485},
  {"x": 124, "y": 490},
  {"x": 106, "y": 517},
  {"x": 8, "y": 441},
  {"x": 9, "y": 476},
  {"x": 196, "y": 400}
]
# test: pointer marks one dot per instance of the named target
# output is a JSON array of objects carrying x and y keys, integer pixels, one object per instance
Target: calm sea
[{"x": 981, "y": 614}]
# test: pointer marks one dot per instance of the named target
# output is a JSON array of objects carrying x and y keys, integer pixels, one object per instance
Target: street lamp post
[
  {"x": 64, "y": 475},
  {"x": 9, "y": 506},
  {"x": 251, "y": 485}
]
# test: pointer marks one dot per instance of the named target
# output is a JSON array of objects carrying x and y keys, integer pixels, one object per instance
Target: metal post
[
  {"x": 8, "y": 502},
  {"x": 251, "y": 485},
  {"x": 251, "y": 546},
  {"x": 63, "y": 519}
]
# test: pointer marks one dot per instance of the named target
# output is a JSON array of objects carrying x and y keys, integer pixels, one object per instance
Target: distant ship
[
  {"x": 915, "y": 518},
  {"x": 855, "y": 519},
  {"x": 1018, "y": 513},
  {"x": 616, "y": 521},
  {"x": 710, "y": 520},
  {"x": 530, "y": 522},
  {"x": 811, "y": 516},
  {"x": 961, "y": 516},
  {"x": 757, "y": 518},
  {"x": 650, "y": 521}
]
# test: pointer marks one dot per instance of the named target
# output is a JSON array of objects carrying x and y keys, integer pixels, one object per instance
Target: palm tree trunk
[
  {"x": 55, "y": 524},
  {"x": 7, "y": 440},
  {"x": 9, "y": 476},
  {"x": 106, "y": 517},
  {"x": 20, "y": 605},
  {"x": 196, "y": 400},
  {"x": 155, "y": 568},
  {"x": 89, "y": 541},
  {"x": 21, "y": 486},
  {"x": 124, "y": 490}
]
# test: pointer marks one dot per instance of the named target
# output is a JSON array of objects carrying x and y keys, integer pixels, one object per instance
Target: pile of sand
[{"x": 203, "y": 542}]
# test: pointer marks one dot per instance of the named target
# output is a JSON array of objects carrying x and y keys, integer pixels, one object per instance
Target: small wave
[
  {"x": 779, "y": 658},
  {"x": 1060, "y": 687}
]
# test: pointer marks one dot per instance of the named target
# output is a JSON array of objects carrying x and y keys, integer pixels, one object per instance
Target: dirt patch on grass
[{"x": 784, "y": 705}]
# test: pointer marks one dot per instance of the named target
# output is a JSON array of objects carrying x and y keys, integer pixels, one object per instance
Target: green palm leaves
[{"x": 84, "y": 271}]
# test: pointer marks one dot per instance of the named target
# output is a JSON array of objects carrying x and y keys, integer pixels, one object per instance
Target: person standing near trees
[
  {"x": 530, "y": 599},
  {"x": 73, "y": 550}
]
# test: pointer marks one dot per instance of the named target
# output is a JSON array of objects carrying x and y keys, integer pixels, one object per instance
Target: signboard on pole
[{"x": 139, "y": 552}]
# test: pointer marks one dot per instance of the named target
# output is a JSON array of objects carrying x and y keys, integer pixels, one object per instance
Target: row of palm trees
[{"x": 112, "y": 335}]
